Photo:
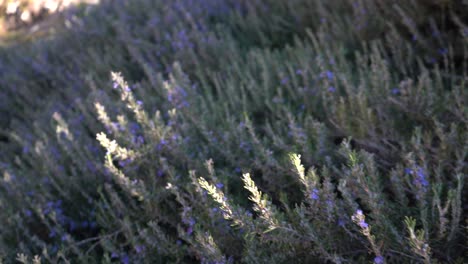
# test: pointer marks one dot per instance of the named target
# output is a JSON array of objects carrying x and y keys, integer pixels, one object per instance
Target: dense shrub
[{"x": 225, "y": 131}]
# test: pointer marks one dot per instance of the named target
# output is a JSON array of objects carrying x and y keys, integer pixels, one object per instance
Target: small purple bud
[
  {"x": 189, "y": 230},
  {"x": 139, "y": 248},
  {"x": 124, "y": 259},
  {"x": 395, "y": 91},
  {"x": 341, "y": 222},
  {"x": 192, "y": 222},
  {"x": 52, "y": 234},
  {"x": 84, "y": 224},
  {"x": 363, "y": 224},
  {"x": 72, "y": 225},
  {"x": 26, "y": 149},
  {"x": 314, "y": 195},
  {"x": 443, "y": 51},
  {"x": 379, "y": 260},
  {"x": 160, "y": 173}
]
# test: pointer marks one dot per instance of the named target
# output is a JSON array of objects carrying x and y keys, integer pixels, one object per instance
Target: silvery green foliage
[{"x": 238, "y": 131}]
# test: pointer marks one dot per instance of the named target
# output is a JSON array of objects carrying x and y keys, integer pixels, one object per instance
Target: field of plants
[{"x": 237, "y": 131}]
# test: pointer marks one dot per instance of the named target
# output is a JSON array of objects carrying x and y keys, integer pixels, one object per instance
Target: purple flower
[
  {"x": 421, "y": 177},
  {"x": 115, "y": 85},
  {"x": 177, "y": 97},
  {"x": 84, "y": 224},
  {"x": 90, "y": 166},
  {"x": 138, "y": 140},
  {"x": 52, "y": 233},
  {"x": 124, "y": 259},
  {"x": 192, "y": 222},
  {"x": 124, "y": 163},
  {"x": 219, "y": 185},
  {"x": 285, "y": 80},
  {"x": 245, "y": 146},
  {"x": 28, "y": 213},
  {"x": 379, "y": 260},
  {"x": 359, "y": 218},
  {"x": 73, "y": 225},
  {"x": 26, "y": 149},
  {"x": 329, "y": 75},
  {"x": 134, "y": 128},
  {"x": 363, "y": 224},
  {"x": 314, "y": 195},
  {"x": 341, "y": 222},
  {"x": 139, "y": 248},
  {"x": 395, "y": 91},
  {"x": 161, "y": 144},
  {"x": 331, "y": 89},
  {"x": 443, "y": 51},
  {"x": 299, "y": 72},
  {"x": 139, "y": 102},
  {"x": 189, "y": 230},
  {"x": 160, "y": 173}
]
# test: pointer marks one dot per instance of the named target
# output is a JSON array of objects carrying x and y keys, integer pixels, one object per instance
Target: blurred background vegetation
[{"x": 233, "y": 131}]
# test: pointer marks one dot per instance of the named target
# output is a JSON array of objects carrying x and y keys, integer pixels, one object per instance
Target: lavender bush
[{"x": 232, "y": 131}]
